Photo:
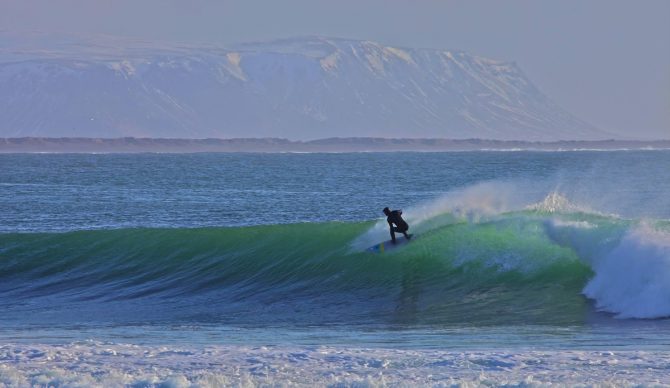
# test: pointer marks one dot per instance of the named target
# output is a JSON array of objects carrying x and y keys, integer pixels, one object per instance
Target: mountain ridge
[{"x": 300, "y": 88}]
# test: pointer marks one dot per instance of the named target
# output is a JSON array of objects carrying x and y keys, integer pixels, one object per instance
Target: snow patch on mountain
[{"x": 234, "y": 59}]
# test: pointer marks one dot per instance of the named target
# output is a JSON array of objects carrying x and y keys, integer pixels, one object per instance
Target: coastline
[{"x": 329, "y": 145}]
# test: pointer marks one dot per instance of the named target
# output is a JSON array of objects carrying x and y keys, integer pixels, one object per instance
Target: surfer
[{"x": 394, "y": 218}]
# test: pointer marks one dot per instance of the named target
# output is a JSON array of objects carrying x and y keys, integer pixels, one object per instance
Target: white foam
[
  {"x": 97, "y": 364},
  {"x": 633, "y": 279},
  {"x": 630, "y": 261}
]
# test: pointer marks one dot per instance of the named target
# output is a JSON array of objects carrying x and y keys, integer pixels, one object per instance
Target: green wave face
[{"x": 514, "y": 268}]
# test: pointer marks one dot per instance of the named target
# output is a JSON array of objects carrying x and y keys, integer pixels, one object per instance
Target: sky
[{"x": 605, "y": 61}]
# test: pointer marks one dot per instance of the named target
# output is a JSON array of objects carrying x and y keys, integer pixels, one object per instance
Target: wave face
[{"x": 541, "y": 265}]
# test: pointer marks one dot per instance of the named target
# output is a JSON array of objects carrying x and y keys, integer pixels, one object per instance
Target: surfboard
[{"x": 389, "y": 245}]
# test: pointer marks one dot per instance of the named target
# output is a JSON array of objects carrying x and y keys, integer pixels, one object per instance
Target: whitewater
[{"x": 529, "y": 268}]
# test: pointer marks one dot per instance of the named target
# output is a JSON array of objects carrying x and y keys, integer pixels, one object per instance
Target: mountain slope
[{"x": 300, "y": 88}]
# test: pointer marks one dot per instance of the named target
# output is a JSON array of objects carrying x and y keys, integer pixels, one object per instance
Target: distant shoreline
[{"x": 334, "y": 145}]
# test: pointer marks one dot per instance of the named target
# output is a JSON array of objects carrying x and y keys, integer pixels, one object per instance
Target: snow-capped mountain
[{"x": 301, "y": 88}]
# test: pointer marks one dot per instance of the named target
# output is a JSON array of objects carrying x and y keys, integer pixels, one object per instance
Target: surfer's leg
[
  {"x": 395, "y": 230},
  {"x": 403, "y": 231}
]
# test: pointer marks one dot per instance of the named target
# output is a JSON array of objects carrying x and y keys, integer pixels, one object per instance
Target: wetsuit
[{"x": 401, "y": 226}]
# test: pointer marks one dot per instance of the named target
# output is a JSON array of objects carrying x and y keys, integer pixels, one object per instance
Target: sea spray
[{"x": 470, "y": 204}]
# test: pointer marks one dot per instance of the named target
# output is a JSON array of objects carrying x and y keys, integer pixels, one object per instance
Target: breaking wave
[{"x": 477, "y": 259}]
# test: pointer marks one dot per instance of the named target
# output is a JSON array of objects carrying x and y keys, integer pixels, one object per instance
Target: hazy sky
[{"x": 606, "y": 61}]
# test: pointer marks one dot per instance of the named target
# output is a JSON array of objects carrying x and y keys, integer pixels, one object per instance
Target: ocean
[{"x": 215, "y": 269}]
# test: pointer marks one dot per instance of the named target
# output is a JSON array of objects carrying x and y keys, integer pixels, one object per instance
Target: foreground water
[{"x": 111, "y": 265}]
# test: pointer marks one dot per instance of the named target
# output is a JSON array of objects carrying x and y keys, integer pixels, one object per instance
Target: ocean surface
[{"x": 527, "y": 268}]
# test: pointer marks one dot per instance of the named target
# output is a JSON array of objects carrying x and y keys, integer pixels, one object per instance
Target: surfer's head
[{"x": 387, "y": 211}]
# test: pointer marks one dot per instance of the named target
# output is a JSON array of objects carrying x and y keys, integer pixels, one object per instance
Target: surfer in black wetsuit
[{"x": 394, "y": 218}]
